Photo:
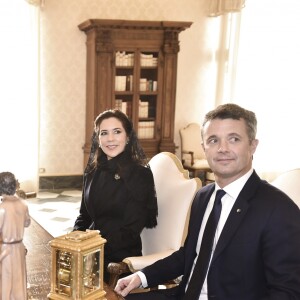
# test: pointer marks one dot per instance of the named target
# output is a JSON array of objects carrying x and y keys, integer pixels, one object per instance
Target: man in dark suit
[{"x": 256, "y": 249}]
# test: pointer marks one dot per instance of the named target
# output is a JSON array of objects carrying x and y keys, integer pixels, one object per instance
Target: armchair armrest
[
  {"x": 137, "y": 263},
  {"x": 191, "y": 153},
  {"x": 115, "y": 270},
  {"x": 133, "y": 264}
]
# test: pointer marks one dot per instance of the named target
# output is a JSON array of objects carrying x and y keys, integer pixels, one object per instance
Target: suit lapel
[
  {"x": 237, "y": 214},
  {"x": 199, "y": 210},
  {"x": 197, "y": 213}
]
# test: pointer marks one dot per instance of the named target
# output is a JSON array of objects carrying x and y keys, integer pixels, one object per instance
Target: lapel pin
[
  {"x": 117, "y": 176},
  {"x": 238, "y": 210}
]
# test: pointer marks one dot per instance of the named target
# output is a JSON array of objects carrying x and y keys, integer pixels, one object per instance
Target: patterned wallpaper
[{"x": 63, "y": 59}]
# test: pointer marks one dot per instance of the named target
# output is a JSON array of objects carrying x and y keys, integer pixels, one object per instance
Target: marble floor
[{"x": 55, "y": 211}]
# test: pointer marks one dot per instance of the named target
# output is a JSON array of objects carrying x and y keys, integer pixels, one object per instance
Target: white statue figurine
[{"x": 14, "y": 216}]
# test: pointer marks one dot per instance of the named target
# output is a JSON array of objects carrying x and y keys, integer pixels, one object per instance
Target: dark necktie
[{"x": 200, "y": 270}]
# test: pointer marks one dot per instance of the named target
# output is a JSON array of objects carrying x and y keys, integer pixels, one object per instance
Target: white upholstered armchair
[
  {"x": 192, "y": 153},
  {"x": 289, "y": 182},
  {"x": 175, "y": 192}
]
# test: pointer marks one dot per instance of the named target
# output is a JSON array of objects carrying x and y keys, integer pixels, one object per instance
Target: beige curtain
[
  {"x": 19, "y": 61},
  {"x": 36, "y": 2},
  {"x": 267, "y": 81},
  {"x": 220, "y": 7}
]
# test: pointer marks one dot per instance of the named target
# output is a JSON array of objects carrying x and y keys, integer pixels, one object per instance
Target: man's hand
[{"x": 127, "y": 284}]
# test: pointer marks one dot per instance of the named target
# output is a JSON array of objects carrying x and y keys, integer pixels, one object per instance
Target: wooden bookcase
[{"x": 132, "y": 65}]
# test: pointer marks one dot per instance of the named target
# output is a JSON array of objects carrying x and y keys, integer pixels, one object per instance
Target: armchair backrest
[
  {"x": 289, "y": 182},
  {"x": 191, "y": 140},
  {"x": 175, "y": 193}
]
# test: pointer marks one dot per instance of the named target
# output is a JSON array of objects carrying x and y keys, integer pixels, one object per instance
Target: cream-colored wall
[{"x": 63, "y": 58}]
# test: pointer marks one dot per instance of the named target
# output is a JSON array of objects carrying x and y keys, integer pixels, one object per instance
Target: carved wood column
[
  {"x": 98, "y": 79},
  {"x": 170, "y": 50}
]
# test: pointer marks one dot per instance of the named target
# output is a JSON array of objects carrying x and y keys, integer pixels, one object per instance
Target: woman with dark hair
[{"x": 118, "y": 196}]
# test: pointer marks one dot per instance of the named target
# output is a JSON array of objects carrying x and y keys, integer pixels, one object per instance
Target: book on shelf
[
  {"x": 123, "y": 106},
  {"x": 118, "y": 104},
  {"x": 123, "y": 83},
  {"x": 146, "y": 129},
  {"x": 143, "y": 84},
  {"x": 148, "y": 85},
  {"x": 124, "y": 59},
  {"x": 120, "y": 83},
  {"x": 148, "y": 60},
  {"x": 143, "y": 109},
  {"x": 129, "y": 82},
  {"x": 154, "y": 86},
  {"x": 129, "y": 109}
]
